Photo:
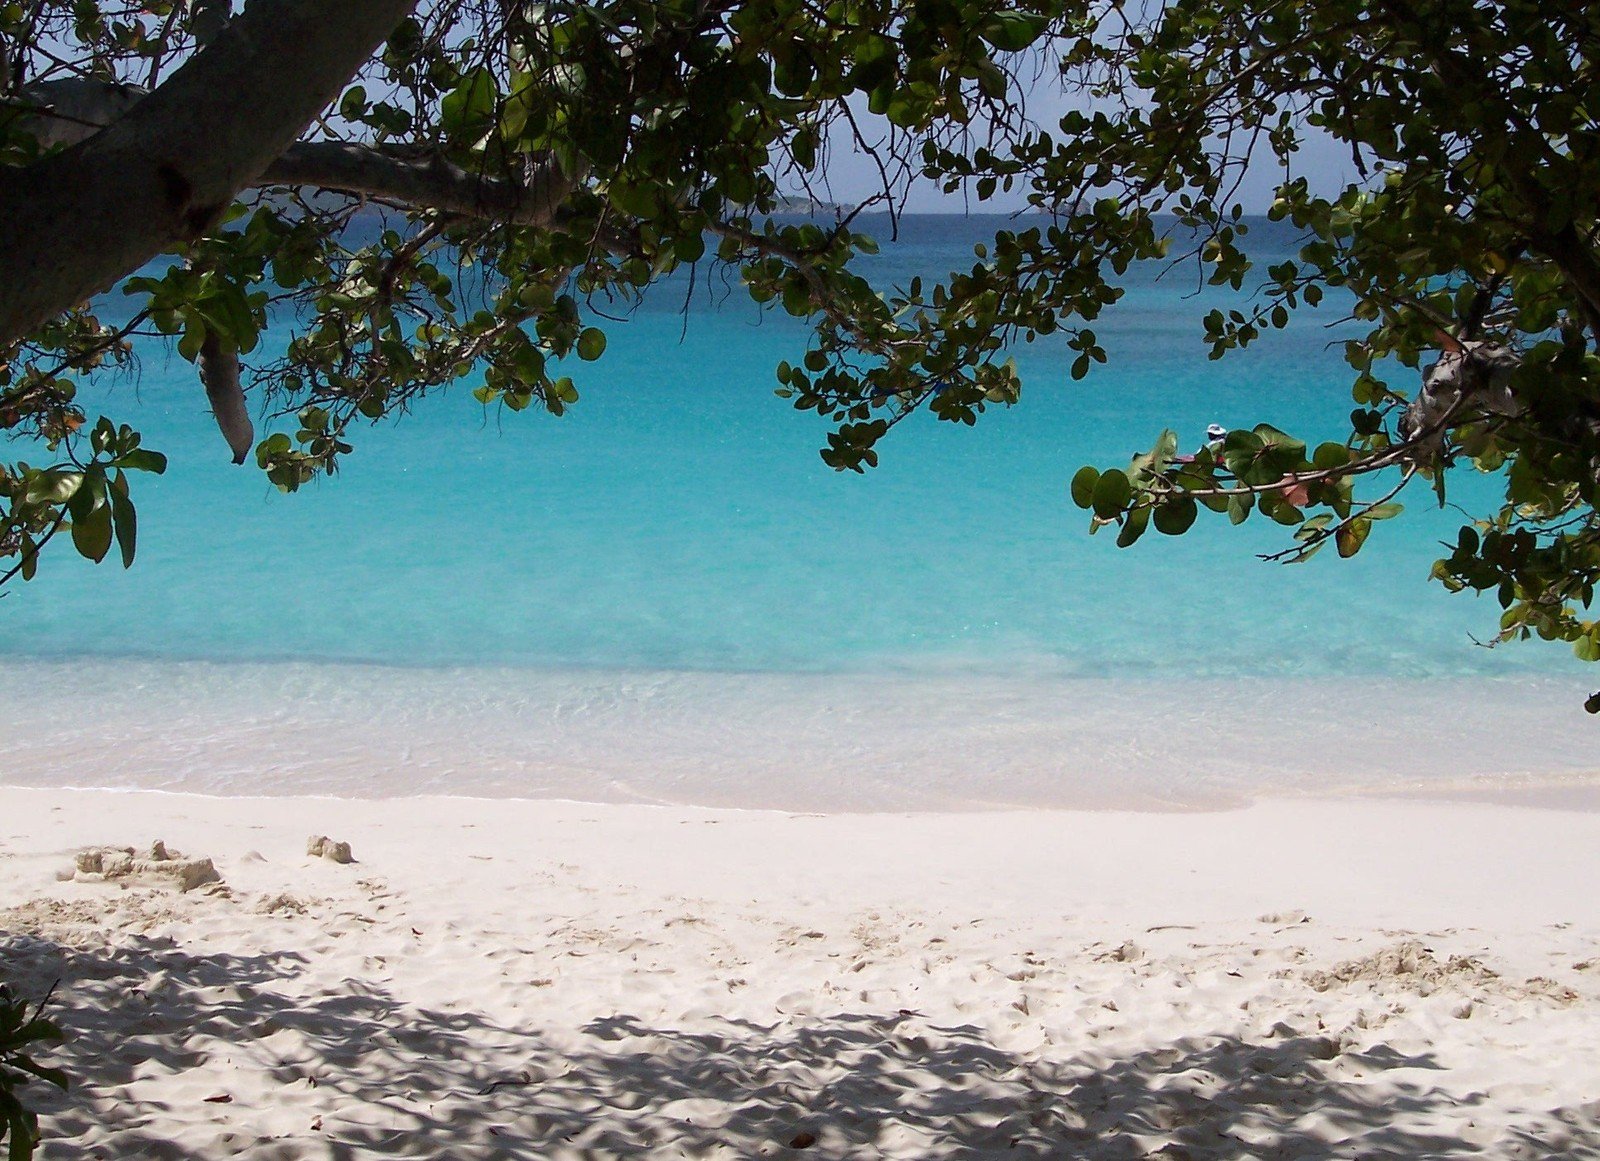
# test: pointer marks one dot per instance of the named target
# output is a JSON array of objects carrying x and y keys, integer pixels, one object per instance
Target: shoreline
[
  {"x": 1306, "y": 978},
  {"x": 784, "y": 742},
  {"x": 1563, "y": 794}
]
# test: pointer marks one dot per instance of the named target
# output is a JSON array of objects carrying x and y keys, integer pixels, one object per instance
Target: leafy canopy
[{"x": 538, "y": 167}]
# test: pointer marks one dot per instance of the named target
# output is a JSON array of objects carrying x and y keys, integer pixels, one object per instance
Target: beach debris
[
  {"x": 323, "y": 847},
  {"x": 520, "y": 1080},
  {"x": 157, "y": 865},
  {"x": 281, "y": 903},
  {"x": 803, "y": 1139},
  {"x": 221, "y": 1098},
  {"x": 1407, "y": 964},
  {"x": 1128, "y": 952},
  {"x": 1284, "y": 918}
]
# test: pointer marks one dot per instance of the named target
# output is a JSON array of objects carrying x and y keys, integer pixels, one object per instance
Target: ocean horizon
[{"x": 666, "y": 596}]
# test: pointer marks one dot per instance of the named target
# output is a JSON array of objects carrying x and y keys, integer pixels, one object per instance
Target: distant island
[{"x": 788, "y": 204}]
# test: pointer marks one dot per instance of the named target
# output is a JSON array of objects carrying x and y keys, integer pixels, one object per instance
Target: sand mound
[
  {"x": 157, "y": 866},
  {"x": 1409, "y": 965},
  {"x": 320, "y": 846},
  {"x": 1414, "y": 968}
]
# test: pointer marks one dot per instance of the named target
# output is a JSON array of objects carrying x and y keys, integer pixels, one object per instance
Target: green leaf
[
  {"x": 468, "y": 110},
  {"x": 126, "y": 523},
  {"x": 1273, "y": 438},
  {"x": 1111, "y": 493},
  {"x": 89, "y": 494},
  {"x": 1083, "y": 486},
  {"x": 354, "y": 102},
  {"x": 520, "y": 102},
  {"x": 194, "y": 336},
  {"x": 1280, "y": 510},
  {"x": 103, "y": 436},
  {"x": 1330, "y": 455},
  {"x": 91, "y": 533},
  {"x": 638, "y": 201},
  {"x": 1351, "y": 536},
  {"x": 273, "y": 446},
  {"x": 228, "y": 313},
  {"x": 45, "y": 1073},
  {"x": 1133, "y": 527},
  {"x": 141, "y": 460},
  {"x": 1176, "y": 516},
  {"x": 689, "y": 247},
  {"x": 53, "y": 487},
  {"x": 591, "y": 344},
  {"x": 21, "y": 1147},
  {"x": 1012, "y": 31}
]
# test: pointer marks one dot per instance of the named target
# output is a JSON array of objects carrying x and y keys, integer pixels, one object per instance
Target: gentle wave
[{"x": 775, "y": 741}]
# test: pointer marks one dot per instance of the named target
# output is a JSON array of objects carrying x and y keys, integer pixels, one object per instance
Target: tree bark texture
[
  {"x": 418, "y": 181},
  {"x": 74, "y": 223}
]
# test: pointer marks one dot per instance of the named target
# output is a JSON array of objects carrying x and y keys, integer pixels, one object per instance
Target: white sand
[{"x": 495, "y": 979}]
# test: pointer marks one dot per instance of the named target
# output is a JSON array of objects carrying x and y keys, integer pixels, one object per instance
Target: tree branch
[
  {"x": 74, "y": 222},
  {"x": 73, "y": 110},
  {"x": 432, "y": 182}
]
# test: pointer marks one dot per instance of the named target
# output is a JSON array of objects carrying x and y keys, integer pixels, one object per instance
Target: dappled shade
[{"x": 385, "y": 1078}]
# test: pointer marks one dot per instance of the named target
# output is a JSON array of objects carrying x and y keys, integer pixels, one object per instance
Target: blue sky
[{"x": 852, "y": 176}]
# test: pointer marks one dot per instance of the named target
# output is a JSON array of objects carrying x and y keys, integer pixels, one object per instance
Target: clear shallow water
[
  {"x": 677, "y": 527},
  {"x": 788, "y": 741}
]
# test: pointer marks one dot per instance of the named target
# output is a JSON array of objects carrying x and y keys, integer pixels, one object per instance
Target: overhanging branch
[
  {"x": 426, "y": 183},
  {"x": 66, "y": 112},
  {"x": 76, "y": 221}
]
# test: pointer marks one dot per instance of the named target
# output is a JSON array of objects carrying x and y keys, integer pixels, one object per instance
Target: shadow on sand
[{"x": 355, "y": 1073}]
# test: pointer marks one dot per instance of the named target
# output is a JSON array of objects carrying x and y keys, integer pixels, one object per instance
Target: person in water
[{"x": 1215, "y": 434}]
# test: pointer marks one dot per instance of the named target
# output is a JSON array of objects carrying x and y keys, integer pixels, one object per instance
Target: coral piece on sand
[
  {"x": 160, "y": 866},
  {"x": 321, "y": 846}
]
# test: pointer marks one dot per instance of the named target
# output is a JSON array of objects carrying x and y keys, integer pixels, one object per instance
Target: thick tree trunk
[{"x": 74, "y": 223}]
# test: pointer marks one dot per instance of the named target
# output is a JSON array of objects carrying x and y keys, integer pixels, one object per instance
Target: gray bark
[
  {"x": 1471, "y": 379},
  {"x": 75, "y": 109},
  {"x": 219, "y": 371},
  {"x": 431, "y": 183},
  {"x": 75, "y": 222}
]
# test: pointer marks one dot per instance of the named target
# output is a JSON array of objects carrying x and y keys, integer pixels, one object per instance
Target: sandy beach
[{"x": 488, "y": 979}]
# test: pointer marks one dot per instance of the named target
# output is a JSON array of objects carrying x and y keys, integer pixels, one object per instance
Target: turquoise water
[{"x": 678, "y": 522}]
